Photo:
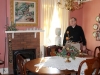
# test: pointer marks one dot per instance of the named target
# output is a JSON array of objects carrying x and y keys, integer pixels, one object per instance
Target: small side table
[{"x": 1, "y": 62}]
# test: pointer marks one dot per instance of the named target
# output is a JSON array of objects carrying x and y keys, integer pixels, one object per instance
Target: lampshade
[{"x": 58, "y": 31}]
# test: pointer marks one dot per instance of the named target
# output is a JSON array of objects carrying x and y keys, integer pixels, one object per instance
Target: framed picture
[{"x": 24, "y": 12}]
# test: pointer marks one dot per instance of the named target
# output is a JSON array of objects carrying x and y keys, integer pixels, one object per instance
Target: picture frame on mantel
[{"x": 24, "y": 12}]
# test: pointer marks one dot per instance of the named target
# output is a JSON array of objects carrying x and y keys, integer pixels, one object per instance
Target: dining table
[{"x": 55, "y": 65}]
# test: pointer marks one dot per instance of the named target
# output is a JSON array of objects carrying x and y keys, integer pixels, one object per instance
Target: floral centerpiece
[
  {"x": 12, "y": 27},
  {"x": 69, "y": 51}
]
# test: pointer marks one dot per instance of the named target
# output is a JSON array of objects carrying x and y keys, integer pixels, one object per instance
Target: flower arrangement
[
  {"x": 12, "y": 27},
  {"x": 69, "y": 51}
]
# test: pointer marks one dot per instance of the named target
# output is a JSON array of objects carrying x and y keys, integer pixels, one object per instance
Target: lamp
[
  {"x": 71, "y": 4},
  {"x": 58, "y": 38}
]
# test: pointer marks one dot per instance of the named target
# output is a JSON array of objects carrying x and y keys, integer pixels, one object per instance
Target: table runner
[{"x": 59, "y": 63}]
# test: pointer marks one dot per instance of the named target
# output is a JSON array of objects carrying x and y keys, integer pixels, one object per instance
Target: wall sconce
[{"x": 96, "y": 27}]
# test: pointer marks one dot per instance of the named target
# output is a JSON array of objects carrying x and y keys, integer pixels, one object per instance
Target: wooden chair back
[
  {"x": 52, "y": 49},
  {"x": 93, "y": 66},
  {"x": 88, "y": 51},
  {"x": 20, "y": 63},
  {"x": 95, "y": 54}
]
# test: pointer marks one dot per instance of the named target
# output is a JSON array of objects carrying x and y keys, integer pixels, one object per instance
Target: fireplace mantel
[{"x": 24, "y": 31}]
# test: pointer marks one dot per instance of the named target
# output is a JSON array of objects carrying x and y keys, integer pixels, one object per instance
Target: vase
[{"x": 67, "y": 60}]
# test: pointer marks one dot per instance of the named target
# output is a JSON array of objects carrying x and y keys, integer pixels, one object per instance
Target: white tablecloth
[{"x": 59, "y": 63}]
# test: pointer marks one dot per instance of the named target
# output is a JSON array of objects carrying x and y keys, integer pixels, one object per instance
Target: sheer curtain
[{"x": 52, "y": 17}]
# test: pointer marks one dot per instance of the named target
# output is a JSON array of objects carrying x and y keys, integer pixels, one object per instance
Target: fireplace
[
  {"x": 22, "y": 43},
  {"x": 26, "y": 54}
]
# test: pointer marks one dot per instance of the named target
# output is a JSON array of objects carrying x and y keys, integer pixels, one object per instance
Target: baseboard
[{"x": 4, "y": 70}]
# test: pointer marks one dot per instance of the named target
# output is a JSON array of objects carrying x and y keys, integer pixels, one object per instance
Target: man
[{"x": 75, "y": 34}]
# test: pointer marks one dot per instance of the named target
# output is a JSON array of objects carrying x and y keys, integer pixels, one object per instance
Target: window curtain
[{"x": 52, "y": 17}]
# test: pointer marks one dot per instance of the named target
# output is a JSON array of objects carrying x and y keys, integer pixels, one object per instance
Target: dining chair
[
  {"x": 88, "y": 51},
  {"x": 20, "y": 63},
  {"x": 95, "y": 52},
  {"x": 51, "y": 50},
  {"x": 93, "y": 67},
  {"x": 21, "y": 66}
]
